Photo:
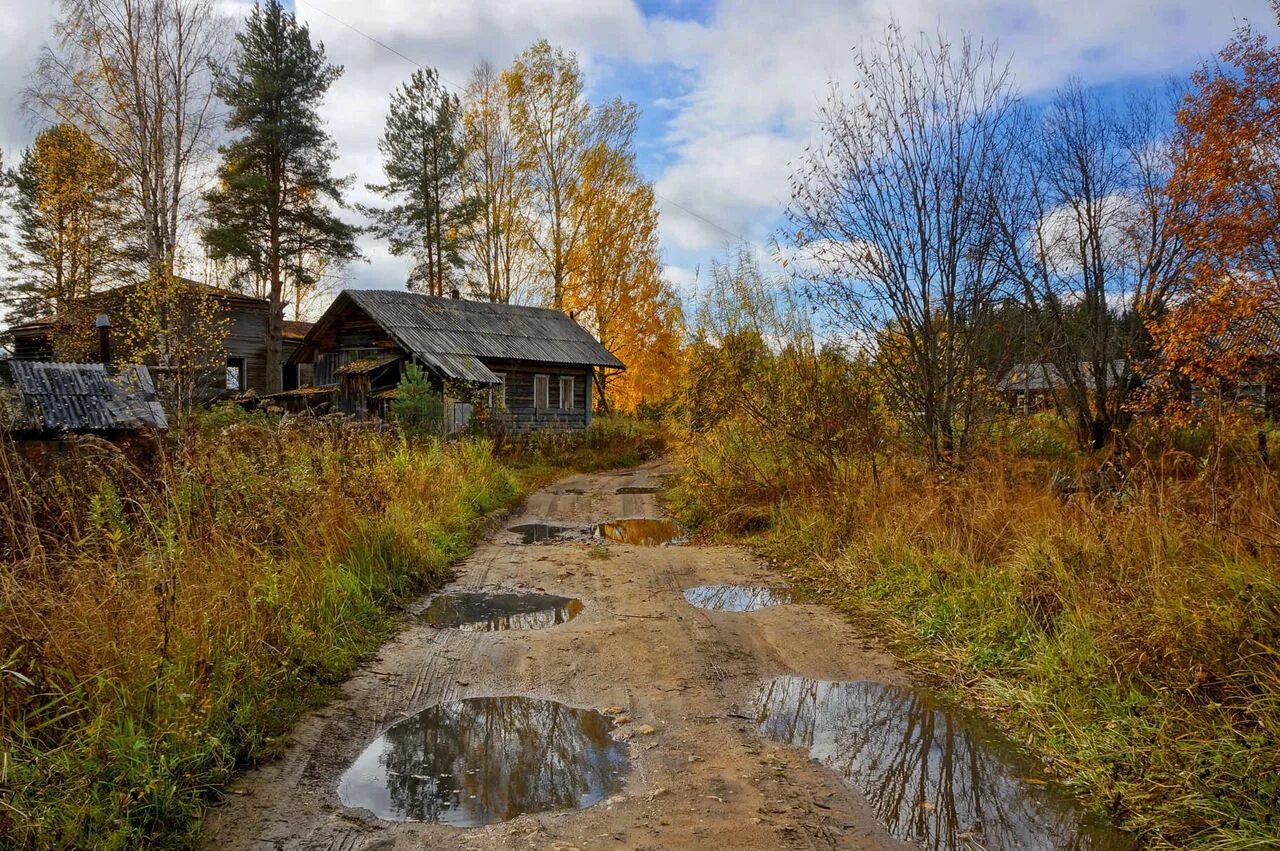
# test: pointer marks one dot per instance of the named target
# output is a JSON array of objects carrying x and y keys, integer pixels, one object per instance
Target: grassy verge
[
  {"x": 161, "y": 628},
  {"x": 1128, "y": 628}
]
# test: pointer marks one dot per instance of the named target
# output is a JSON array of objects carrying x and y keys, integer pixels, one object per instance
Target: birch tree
[
  {"x": 137, "y": 77},
  {"x": 498, "y": 241}
]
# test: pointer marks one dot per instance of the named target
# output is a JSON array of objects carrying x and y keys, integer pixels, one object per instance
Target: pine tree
[
  {"x": 73, "y": 234},
  {"x": 271, "y": 207},
  {"x": 423, "y": 159}
]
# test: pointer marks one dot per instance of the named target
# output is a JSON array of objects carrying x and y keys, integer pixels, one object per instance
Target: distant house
[
  {"x": 534, "y": 367},
  {"x": 1034, "y": 386},
  {"x": 245, "y": 343}
]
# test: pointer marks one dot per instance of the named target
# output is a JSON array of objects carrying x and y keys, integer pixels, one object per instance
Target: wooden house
[
  {"x": 244, "y": 342},
  {"x": 532, "y": 367}
]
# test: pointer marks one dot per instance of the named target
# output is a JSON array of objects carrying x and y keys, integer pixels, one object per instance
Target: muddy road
[{"x": 622, "y": 710}]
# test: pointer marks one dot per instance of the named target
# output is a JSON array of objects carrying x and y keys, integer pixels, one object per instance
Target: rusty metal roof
[
  {"x": 55, "y": 397},
  {"x": 453, "y": 336}
]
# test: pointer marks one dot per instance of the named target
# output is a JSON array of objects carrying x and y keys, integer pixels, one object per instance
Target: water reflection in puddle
[
  {"x": 736, "y": 598},
  {"x": 487, "y": 612},
  {"x": 641, "y": 531},
  {"x": 532, "y": 533},
  {"x": 487, "y": 759},
  {"x": 932, "y": 777},
  {"x": 636, "y": 489}
]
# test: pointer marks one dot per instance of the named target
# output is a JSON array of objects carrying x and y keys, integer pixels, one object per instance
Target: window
[
  {"x": 542, "y": 391},
  {"x": 498, "y": 393},
  {"x": 235, "y": 374},
  {"x": 566, "y": 392}
]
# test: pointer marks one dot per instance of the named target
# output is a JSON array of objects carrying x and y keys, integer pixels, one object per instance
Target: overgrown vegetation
[
  {"x": 159, "y": 628},
  {"x": 1118, "y": 610}
]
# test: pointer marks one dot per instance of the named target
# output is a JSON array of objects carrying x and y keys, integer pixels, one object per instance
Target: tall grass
[
  {"x": 161, "y": 627},
  {"x": 1121, "y": 614}
]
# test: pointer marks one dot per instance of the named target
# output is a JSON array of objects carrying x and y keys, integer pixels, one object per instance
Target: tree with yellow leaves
[
  {"x": 73, "y": 233},
  {"x": 497, "y": 242},
  {"x": 617, "y": 289}
]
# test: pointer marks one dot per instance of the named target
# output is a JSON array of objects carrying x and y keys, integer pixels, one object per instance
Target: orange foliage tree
[{"x": 1223, "y": 325}]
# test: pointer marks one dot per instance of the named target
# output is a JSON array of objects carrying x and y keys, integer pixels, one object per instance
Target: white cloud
[{"x": 749, "y": 80}]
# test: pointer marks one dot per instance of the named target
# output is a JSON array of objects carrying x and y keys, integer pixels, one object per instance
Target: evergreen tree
[
  {"x": 73, "y": 234},
  {"x": 423, "y": 158},
  {"x": 271, "y": 208}
]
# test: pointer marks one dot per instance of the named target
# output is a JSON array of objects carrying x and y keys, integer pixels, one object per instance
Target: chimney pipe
[
  {"x": 104, "y": 338},
  {"x": 454, "y": 293}
]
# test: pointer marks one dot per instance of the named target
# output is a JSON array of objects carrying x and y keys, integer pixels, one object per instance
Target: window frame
[
  {"x": 572, "y": 396},
  {"x": 546, "y": 393},
  {"x": 241, "y": 366}
]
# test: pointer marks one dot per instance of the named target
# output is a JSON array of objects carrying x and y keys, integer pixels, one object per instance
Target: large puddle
[
  {"x": 494, "y": 612},
  {"x": 933, "y": 777},
  {"x": 533, "y": 533},
  {"x": 641, "y": 531},
  {"x": 736, "y": 598},
  {"x": 487, "y": 759},
  {"x": 630, "y": 489}
]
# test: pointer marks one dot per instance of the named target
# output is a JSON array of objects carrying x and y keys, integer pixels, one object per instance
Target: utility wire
[{"x": 737, "y": 236}]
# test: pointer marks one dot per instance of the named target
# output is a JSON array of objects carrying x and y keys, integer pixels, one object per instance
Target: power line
[{"x": 737, "y": 236}]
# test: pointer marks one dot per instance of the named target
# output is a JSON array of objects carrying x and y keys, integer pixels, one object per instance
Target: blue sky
[{"x": 728, "y": 90}]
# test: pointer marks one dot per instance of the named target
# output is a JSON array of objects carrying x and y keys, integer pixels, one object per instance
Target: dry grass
[
  {"x": 160, "y": 628},
  {"x": 1126, "y": 617}
]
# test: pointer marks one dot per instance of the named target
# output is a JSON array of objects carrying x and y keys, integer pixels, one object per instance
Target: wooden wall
[{"x": 521, "y": 414}]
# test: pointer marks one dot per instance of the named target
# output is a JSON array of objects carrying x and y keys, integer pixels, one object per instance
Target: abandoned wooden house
[
  {"x": 1031, "y": 387},
  {"x": 240, "y": 320},
  {"x": 527, "y": 367}
]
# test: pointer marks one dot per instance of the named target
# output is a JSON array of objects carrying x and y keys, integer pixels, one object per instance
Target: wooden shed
[{"x": 533, "y": 367}]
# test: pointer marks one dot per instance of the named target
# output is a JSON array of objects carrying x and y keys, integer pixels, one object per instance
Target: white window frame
[
  {"x": 567, "y": 400},
  {"x": 542, "y": 401}
]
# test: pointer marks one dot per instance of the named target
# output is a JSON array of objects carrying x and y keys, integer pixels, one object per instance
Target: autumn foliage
[{"x": 1227, "y": 177}]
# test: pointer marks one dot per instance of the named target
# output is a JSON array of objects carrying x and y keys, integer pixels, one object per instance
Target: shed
[{"x": 39, "y": 399}]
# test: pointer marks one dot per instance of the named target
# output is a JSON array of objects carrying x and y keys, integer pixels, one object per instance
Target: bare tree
[
  {"x": 1090, "y": 249},
  {"x": 137, "y": 76},
  {"x": 894, "y": 217}
]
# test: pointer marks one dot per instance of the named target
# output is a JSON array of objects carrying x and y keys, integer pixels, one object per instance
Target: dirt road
[{"x": 701, "y": 776}]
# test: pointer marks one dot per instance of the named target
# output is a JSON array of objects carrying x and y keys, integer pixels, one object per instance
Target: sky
[{"x": 728, "y": 89}]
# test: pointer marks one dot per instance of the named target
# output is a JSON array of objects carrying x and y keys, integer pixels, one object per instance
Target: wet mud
[
  {"x": 934, "y": 776},
  {"x": 484, "y": 760},
  {"x": 494, "y": 612}
]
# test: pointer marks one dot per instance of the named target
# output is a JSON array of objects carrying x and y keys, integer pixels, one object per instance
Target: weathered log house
[
  {"x": 244, "y": 318},
  {"x": 533, "y": 367}
]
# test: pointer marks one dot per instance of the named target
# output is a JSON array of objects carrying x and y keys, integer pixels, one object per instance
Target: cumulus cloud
[{"x": 733, "y": 86}]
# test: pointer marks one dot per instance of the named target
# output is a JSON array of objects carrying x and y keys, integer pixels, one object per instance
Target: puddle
[
  {"x": 532, "y": 533},
  {"x": 490, "y": 612},
  {"x": 737, "y": 598},
  {"x": 642, "y": 531},
  {"x": 636, "y": 489},
  {"x": 934, "y": 777},
  {"x": 487, "y": 759}
]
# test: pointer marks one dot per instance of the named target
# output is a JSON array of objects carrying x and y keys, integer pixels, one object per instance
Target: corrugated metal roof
[
  {"x": 363, "y": 365},
  {"x": 451, "y": 335},
  {"x": 53, "y": 397}
]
